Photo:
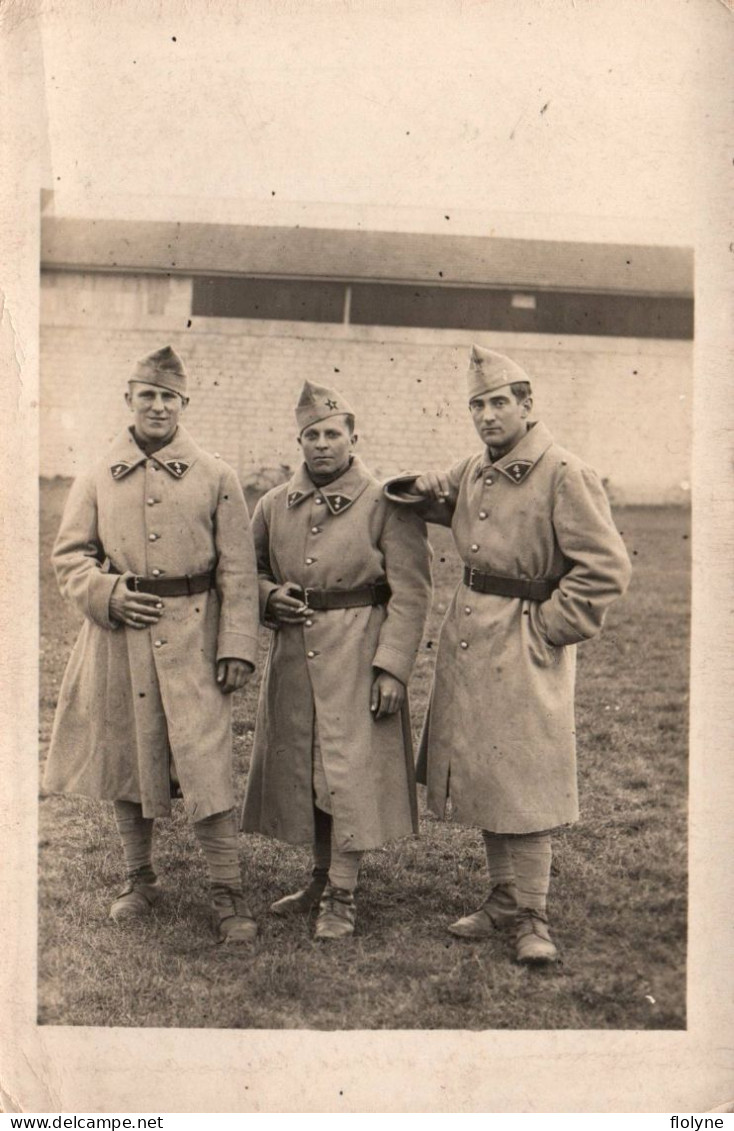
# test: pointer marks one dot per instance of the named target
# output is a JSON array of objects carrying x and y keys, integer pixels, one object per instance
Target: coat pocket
[{"x": 542, "y": 651}]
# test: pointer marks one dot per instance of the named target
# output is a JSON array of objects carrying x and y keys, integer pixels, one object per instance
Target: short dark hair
[{"x": 521, "y": 390}]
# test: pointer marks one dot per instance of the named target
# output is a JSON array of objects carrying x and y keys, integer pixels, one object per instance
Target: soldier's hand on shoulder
[
  {"x": 136, "y": 610},
  {"x": 233, "y": 674},
  {"x": 388, "y": 695},
  {"x": 433, "y": 485},
  {"x": 286, "y": 604}
]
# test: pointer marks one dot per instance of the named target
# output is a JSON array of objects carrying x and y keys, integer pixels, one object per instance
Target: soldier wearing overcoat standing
[
  {"x": 542, "y": 562},
  {"x": 345, "y": 585},
  {"x": 155, "y": 550}
]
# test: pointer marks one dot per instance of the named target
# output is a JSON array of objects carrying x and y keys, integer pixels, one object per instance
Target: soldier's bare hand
[
  {"x": 136, "y": 610},
  {"x": 286, "y": 604},
  {"x": 433, "y": 485},
  {"x": 232, "y": 675},
  {"x": 388, "y": 695}
]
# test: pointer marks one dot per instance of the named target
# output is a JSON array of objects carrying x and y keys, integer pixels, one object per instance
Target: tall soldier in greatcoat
[
  {"x": 155, "y": 550},
  {"x": 542, "y": 563},
  {"x": 345, "y": 585}
]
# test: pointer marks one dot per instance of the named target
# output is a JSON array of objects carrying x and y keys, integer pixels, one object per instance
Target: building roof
[{"x": 307, "y": 252}]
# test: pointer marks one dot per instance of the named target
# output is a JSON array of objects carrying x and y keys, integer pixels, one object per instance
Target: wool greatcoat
[
  {"x": 343, "y": 535},
  {"x": 132, "y": 698},
  {"x": 499, "y": 734}
]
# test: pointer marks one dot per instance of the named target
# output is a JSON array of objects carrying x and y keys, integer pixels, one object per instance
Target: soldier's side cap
[
  {"x": 489, "y": 371},
  {"x": 317, "y": 402},
  {"x": 164, "y": 368}
]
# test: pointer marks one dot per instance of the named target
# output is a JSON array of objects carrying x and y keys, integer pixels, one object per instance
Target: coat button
[
  {"x": 315, "y": 529},
  {"x": 310, "y": 655},
  {"x": 489, "y": 481},
  {"x": 153, "y": 537},
  {"x": 308, "y": 623},
  {"x": 158, "y": 643},
  {"x": 474, "y": 547},
  {"x": 156, "y": 573},
  {"x": 482, "y": 515},
  {"x": 467, "y": 609},
  {"x": 464, "y": 644},
  {"x": 310, "y": 561},
  {"x": 151, "y": 502},
  {"x": 318, "y": 500}
]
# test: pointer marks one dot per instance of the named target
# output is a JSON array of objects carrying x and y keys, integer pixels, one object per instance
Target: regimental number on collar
[
  {"x": 177, "y": 467},
  {"x": 518, "y": 469},
  {"x": 338, "y": 502}
]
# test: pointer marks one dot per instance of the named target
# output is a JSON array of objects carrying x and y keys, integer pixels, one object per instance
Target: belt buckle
[
  {"x": 472, "y": 571},
  {"x": 306, "y": 596},
  {"x": 134, "y": 579}
]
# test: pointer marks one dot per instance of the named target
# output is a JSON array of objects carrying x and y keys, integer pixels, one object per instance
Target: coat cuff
[
  {"x": 398, "y": 488},
  {"x": 237, "y": 646},
  {"x": 394, "y": 662},
  {"x": 99, "y": 592},
  {"x": 265, "y": 589}
]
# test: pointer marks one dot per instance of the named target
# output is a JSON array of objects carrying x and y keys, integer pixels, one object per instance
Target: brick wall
[{"x": 624, "y": 405}]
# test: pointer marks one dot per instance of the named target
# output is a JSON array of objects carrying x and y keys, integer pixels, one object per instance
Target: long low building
[{"x": 604, "y": 329}]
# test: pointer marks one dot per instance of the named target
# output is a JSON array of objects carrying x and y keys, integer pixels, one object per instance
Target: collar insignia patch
[
  {"x": 119, "y": 469},
  {"x": 177, "y": 467},
  {"x": 518, "y": 469},
  {"x": 294, "y": 497},
  {"x": 338, "y": 502}
]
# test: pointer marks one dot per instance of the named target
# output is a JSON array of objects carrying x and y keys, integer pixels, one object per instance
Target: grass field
[{"x": 618, "y": 898}]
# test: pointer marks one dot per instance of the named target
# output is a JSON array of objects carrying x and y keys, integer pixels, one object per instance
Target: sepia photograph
[{"x": 365, "y": 483}]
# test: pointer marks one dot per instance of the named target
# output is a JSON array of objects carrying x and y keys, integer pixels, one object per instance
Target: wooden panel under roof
[{"x": 295, "y": 252}]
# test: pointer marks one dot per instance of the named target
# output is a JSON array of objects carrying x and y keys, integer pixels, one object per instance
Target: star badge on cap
[{"x": 332, "y": 404}]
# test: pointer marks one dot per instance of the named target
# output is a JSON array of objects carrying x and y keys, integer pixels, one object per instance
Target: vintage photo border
[{"x": 51, "y": 1068}]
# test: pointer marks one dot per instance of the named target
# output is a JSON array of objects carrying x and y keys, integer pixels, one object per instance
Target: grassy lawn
[{"x": 618, "y": 898}]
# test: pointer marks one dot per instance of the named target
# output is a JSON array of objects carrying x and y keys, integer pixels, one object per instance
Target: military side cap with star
[
  {"x": 317, "y": 403},
  {"x": 163, "y": 368},
  {"x": 489, "y": 371}
]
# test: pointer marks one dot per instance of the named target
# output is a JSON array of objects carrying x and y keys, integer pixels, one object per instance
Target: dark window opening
[
  {"x": 444, "y": 307},
  {"x": 287, "y": 300}
]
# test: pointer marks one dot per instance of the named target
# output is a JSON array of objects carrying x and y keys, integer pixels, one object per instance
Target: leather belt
[
  {"x": 172, "y": 586},
  {"x": 538, "y": 589},
  {"x": 322, "y": 599}
]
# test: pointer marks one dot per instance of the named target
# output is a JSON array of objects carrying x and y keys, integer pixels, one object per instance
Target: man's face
[
  {"x": 499, "y": 419},
  {"x": 327, "y": 445},
  {"x": 155, "y": 410}
]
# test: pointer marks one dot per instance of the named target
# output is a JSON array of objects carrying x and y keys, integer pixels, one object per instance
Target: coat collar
[
  {"x": 177, "y": 457},
  {"x": 338, "y": 495},
  {"x": 517, "y": 464}
]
